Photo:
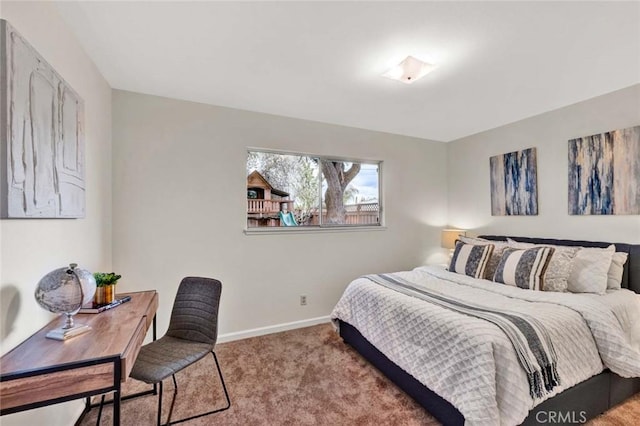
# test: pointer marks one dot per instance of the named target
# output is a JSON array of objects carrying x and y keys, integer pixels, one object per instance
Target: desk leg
[
  {"x": 116, "y": 408},
  {"x": 116, "y": 394}
]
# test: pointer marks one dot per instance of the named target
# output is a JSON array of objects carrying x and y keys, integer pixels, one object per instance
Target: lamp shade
[{"x": 449, "y": 237}]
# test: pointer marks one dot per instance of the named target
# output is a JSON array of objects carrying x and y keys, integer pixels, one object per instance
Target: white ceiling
[{"x": 498, "y": 62}]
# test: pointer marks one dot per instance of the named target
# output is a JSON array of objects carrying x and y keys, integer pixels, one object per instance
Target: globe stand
[
  {"x": 69, "y": 329},
  {"x": 64, "y": 291}
]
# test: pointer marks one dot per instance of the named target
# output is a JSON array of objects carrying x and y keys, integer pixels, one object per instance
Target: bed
[{"x": 593, "y": 392}]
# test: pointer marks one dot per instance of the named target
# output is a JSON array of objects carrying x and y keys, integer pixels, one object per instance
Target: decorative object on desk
[
  {"x": 64, "y": 291},
  {"x": 514, "y": 183},
  {"x": 604, "y": 173},
  {"x": 90, "y": 308},
  {"x": 106, "y": 287},
  {"x": 42, "y": 144}
]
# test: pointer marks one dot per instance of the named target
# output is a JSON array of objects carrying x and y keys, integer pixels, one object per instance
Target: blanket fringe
[{"x": 543, "y": 380}]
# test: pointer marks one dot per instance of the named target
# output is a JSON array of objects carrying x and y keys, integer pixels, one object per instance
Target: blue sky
[{"x": 366, "y": 182}]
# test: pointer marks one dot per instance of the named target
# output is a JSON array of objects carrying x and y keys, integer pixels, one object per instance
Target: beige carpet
[{"x": 301, "y": 377}]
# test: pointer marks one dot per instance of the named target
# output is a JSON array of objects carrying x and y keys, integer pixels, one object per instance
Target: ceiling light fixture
[{"x": 409, "y": 70}]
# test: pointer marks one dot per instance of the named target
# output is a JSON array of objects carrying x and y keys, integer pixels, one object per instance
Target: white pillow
[
  {"x": 614, "y": 276},
  {"x": 589, "y": 273},
  {"x": 557, "y": 275}
]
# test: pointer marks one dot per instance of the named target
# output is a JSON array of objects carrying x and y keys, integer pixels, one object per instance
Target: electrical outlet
[{"x": 303, "y": 300}]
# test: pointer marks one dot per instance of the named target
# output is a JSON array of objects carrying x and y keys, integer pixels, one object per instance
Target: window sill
[{"x": 311, "y": 230}]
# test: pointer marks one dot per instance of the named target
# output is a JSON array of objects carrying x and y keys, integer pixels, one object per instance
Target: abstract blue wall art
[
  {"x": 604, "y": 173},
  {"x": 514, "y": 184}
]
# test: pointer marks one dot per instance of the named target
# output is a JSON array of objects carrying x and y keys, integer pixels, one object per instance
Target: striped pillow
[
  {"x": 469, "y": 259},
  {"x": 523, "y": 268},
  {"x": 496, "y": 254},
  {"x": 556, "y": 276}
]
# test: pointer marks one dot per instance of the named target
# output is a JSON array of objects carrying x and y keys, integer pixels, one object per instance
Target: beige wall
[
  {"x": 468, "y": 171},
  {"x": 180, "y": 203},
  {"x": 32, "y": 247}
]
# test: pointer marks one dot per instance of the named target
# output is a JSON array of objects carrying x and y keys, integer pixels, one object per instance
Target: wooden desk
[{"x": 42, "y": 371}]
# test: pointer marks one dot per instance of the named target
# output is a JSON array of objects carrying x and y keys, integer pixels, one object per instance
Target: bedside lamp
[{"x": 449, "y": 237}]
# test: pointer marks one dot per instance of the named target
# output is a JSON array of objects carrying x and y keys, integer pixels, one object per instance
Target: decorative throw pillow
[
  {"x": 614, "y": 276},
  {"x": 496, "y": 254},
  {"x": 557, "y": 275},
  {"x": 523, "y": 268},
  {"x": 470, "y": 259},
  {"x": 590, "y": 270}
]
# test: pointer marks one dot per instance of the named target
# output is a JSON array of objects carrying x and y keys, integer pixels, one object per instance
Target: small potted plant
[{"x": 105, "y": 287}]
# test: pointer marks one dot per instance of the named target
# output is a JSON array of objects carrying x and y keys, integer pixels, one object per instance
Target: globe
[{"x": 65, "y": 290}]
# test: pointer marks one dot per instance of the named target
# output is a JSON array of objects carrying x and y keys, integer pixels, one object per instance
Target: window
[{"x": 289, "y": 190}]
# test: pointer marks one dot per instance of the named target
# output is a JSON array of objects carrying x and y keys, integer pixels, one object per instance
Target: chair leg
[
  {"x": 173, "y": 399},
  {"x": 224, "y": 387},
  {"x": 226, "y": 395},
  {"x": 159, "y": 402}
]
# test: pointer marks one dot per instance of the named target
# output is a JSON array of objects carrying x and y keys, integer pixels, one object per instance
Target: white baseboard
[{"x": 261, "y": 331}]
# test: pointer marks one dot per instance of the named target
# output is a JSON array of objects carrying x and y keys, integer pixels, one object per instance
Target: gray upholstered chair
[{"x": 192, "y": 334}]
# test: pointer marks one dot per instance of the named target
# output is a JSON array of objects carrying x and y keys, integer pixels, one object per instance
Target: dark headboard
[{"x": 631, "y": 276}]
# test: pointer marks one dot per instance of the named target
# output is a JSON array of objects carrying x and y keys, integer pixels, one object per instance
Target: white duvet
[{"x": 470, "y": 362}]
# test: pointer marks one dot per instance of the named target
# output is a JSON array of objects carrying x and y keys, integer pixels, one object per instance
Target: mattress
[{"x": 469, "y": 362}]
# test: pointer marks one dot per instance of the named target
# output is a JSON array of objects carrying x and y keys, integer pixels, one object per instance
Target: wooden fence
[
  {"x": 264, "y": 213},
  {"x": 357, "y": 214}
]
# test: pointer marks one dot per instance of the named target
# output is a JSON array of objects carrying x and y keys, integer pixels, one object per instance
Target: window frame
[{"x": 321, "y": 227}]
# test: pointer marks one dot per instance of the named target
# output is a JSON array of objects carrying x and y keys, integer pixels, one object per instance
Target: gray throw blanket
[{"x": 528, "y": 336}]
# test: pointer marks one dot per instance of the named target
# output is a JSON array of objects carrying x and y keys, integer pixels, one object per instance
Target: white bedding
[{"x": 470, "y": 362}]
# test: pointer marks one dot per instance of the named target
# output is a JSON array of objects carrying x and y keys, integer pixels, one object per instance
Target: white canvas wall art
[{"x": 42, "y": 127}]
